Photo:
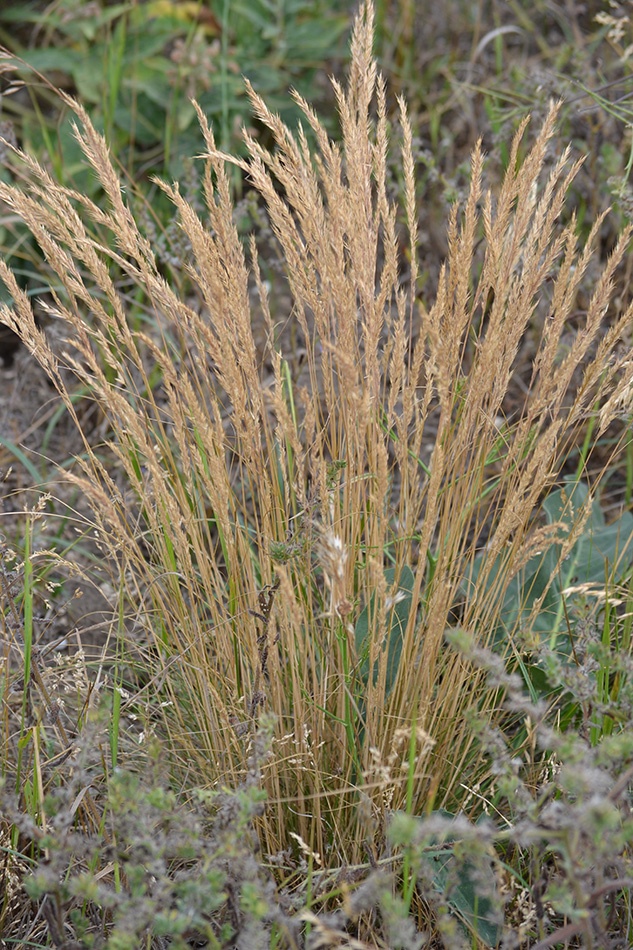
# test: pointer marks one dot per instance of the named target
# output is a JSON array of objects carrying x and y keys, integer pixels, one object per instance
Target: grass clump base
[{"x": 295, "y": 529}]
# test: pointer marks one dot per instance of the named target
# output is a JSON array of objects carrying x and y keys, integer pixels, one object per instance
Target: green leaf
[
  {"x": 51, "y": 59},
  {"x": 454, "y": 877},
  {"x": 397, "y": 621},
  {"x": 599, "y": 549}
]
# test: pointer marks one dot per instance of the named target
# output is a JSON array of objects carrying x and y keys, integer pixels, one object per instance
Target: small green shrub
[{"x": 136, "y": 67}]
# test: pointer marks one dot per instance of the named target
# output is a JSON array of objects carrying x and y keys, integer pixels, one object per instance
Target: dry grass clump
[{"x": 301, "y": 546}]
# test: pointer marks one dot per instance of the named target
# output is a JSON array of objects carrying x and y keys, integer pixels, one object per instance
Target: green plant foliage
[
  {"x": 397, "y": 619},
  {"x": 136, "y": 67},
  {"x": 455, "y": 877},
  {"x": 175, "y": 871},
  {"x": 536, "y": 595}
]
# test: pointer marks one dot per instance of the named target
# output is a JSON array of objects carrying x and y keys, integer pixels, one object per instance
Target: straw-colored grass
[{"x": 270, "y": 511}]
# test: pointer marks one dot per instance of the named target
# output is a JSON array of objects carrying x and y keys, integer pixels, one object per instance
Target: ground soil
[{"x": 82, "y": 609}]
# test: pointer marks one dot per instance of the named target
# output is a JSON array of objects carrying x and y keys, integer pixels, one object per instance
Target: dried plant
[{"x": 299, "y": 542}]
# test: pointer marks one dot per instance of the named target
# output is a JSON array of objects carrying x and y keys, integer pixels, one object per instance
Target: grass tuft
[{"x": 294, "y": 540}]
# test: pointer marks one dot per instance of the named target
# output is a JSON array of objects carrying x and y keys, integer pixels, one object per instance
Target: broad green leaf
[
  {"x": 599, "y": 549},
  {"x": 397, "y": 620},
  {"x": 454, "y": 878}
]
